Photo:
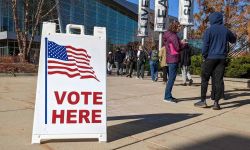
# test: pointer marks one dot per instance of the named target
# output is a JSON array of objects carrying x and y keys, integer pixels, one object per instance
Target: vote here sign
[{"x": 71, "y": 87}]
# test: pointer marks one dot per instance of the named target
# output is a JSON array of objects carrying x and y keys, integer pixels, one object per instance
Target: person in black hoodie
[
  {"x": 118, "y": 61},
  {"x": 185, "y": 64},
  {"x": 130, "y": 60},
  {"x": 214, "y": 52},
  {"x": 141, "y": 60}
]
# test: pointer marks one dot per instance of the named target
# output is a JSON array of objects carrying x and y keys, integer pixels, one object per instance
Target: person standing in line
[
  {"x": 185, "y": 65},
  {"x": 174, "y": 45},
  {"x": 130, "y": 59},
  {"x": 110, "y": 61},
  {"x": 213, "y": 89},
  {"x": 141, "y": 60},
  {"x": 153, "y": 62},
  {"x": 163, "y": 63},
  {"x": 118, "y": 61},
  {"x": 123, "y": 65},
  {"x": 214, "y": 52}
]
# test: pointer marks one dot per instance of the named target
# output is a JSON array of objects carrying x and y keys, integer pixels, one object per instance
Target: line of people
[
  {"x": 214, "y": 53},
  {"x": 127, "y": 62},
  {"x": 175, "y": 53}
]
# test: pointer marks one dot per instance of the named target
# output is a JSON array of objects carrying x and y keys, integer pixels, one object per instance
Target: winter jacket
[
  {"x": 142, "y": 57},
  {"x": 119, "y": 57},
  {"x": 186, "y": 56},
  {"x": 173, "y": 47},
  {"x": 216, "y": 38}
]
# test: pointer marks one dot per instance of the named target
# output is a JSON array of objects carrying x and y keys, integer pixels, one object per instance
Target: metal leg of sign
[
  {"x": 185, "y": 33},
  {"x": 142, "y": 41},
  {"x": 103, "y": 138},
  {"x": 160, "y": 40},
  {"x": 36, "y": 139}
]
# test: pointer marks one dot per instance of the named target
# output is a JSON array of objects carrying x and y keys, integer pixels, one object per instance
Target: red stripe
[
  {"x": 57, "y": 62},
  {"x": 65, "y": 73},
  {"x": 73, "y": 75},
  {"x": 69, "y": 69},
  {"x": 79, "y": 58},
  {"x": 84, "y": 67},
  {"x": 70, "y": 64},
  {"x": 80, "y": 62},
  {"x": 86, "y": 77},
  {"x": 77, "y": 49},
  {"x": 72, "y": 52}
]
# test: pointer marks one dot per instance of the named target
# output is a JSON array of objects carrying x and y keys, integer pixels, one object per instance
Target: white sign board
[
  {"x": 161, "y": 15},
  {"x": 186, "y": 8},
  {"x": 143, "y": 17},
  {"x": 71, "y": 86}
]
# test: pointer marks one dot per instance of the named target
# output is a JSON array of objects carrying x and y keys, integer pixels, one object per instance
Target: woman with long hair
[{"x": 173, "y": 47}]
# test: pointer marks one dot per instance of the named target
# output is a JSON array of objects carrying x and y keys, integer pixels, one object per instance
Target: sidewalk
[{"x": 138, "y": 119}]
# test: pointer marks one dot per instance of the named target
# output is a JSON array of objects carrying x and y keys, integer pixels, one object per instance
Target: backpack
[{"x": 154, "y": 55}]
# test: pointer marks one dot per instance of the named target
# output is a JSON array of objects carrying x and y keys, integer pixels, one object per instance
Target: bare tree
[{"x": 26, "y": 30}]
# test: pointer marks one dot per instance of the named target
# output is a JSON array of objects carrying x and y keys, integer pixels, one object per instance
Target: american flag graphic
[{"x": 69, "y": 61}]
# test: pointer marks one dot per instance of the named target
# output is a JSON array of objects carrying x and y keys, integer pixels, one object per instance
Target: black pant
[
  {"x": 130, "y": 67},
  {"x": 140, "y": 69},
  {"x": 213, "y": 89},
  {"x": 165, "y": 73},
  {"x": 211, "y": 67}
]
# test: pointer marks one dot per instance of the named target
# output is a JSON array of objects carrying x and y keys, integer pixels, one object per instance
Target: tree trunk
[
  {"x": 37, "y": 20},
  {"x": 18, "y": 31}
]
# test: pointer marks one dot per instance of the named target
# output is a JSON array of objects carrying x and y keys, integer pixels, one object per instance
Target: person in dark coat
[
  {"x": 119, "y": 61},
  {"x": 130, "y": 61},
  {"x": 185, "y": 64},
  {"x": 141, "y": 60},
  {"x": 214, "y": 52}
]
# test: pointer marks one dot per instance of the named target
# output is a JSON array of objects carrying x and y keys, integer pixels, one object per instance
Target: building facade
[{"x": 118, "y": 16}]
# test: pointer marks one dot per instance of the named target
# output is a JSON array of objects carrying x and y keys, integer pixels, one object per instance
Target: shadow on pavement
[
  {"x": 68, "y": 140},
  {"x": 223, "y": 142},
  {"x": 229, "y": 94},
  {"x": 142, "y": 123}
]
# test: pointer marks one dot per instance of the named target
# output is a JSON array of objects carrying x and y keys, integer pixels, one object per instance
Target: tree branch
[{"x": 49, "y": 11}]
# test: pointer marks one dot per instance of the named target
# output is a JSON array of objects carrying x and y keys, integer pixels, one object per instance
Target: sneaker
[
  {"x": 216, "y": 106},
  {"x": 201, "y": 104},
  {"x": 184, "y": 84},
  {"x": 190, "y": 82},
  {"x": 172, "y": 100},
  {"x": 169, "y": 101},
  {"x": 137, "y": 77}
]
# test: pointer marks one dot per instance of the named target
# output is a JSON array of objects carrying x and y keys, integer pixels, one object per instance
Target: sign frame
[{"x": 43, "y": 129}]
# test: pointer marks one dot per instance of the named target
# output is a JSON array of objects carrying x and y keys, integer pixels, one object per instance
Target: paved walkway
[{"x": 138, "y": 119}]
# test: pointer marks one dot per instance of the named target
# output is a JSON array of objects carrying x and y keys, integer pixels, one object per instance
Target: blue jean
[
  {"x": 154, "y": 70},
  {"x": 171, "y": 78}
]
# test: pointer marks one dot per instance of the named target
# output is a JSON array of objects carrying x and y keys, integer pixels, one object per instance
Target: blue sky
[{"x": 173, "y": 6}]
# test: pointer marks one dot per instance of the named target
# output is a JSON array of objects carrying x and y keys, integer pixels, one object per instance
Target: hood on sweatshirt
[{"x": 216, "y": 18}]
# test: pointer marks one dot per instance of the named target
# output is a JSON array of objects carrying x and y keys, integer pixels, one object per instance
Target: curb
[{"x": 17, "y": 74}]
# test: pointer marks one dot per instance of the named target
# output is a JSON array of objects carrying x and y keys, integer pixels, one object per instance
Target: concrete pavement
[{"x": 138, "y": 119}]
